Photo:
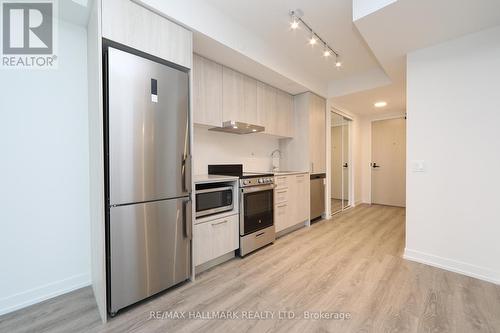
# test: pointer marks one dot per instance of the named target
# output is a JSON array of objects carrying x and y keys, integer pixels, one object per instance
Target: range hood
[{"x": 237, "y": 127}]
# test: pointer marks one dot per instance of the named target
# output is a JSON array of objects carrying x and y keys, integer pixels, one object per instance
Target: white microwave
[{"x": 213, "y": 199}]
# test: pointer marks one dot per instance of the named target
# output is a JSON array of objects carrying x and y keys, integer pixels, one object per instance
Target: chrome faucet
[{"x": 275, "y": 168}]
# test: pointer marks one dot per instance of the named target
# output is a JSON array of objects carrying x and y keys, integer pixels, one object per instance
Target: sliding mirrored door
[{"x": 340, "y": 168}]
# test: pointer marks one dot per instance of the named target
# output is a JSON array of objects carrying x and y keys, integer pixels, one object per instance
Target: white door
[{"x": 388, "y": 162}]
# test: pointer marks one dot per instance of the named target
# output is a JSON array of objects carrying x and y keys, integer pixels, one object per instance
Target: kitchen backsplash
[{"x": 251, "y": 150}]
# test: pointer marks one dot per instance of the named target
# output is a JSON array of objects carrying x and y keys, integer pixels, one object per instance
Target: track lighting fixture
[{"x": 296, "y": 21}]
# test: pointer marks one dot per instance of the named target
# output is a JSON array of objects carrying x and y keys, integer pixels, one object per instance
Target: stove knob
[
  {"x": 261, "y": 180},
  {"x": 246, "y": 182}
]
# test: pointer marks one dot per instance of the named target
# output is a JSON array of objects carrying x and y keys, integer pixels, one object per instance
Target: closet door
[{"x": 340, "y": 163}]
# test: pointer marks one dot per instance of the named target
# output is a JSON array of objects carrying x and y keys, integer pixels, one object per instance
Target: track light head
[
  {"x": 327, "y": 52},
  {"x": 313, "y": 40}
]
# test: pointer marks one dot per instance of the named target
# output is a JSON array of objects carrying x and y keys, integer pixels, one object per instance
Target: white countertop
[{"x": 199, "y": 179}]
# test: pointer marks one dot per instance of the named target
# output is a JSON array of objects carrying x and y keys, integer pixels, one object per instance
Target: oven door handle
[
  {"x": 257, "y": 188},
  {"x": 216, "y": 189}
]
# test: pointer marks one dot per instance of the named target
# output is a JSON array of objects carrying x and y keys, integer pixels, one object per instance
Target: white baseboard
[
  {"x": 477, "y": 272},
  {"x": 42, "y": 293}
]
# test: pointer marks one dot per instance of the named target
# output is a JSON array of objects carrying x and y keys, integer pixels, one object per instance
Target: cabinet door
[
  {"x": 207, "y": 92},
  {"x": 215, "y": 238},
  {"x": 239, "y": 97},
  {"x": 317, "y": 132},
  {"x": 202, "y": 243},
  {"x": 281, "y": 182},
  {"x": 250, "y": 101},
  {"x": 302, "y": 197},
  {"x": 128, "y": 23},
  {"x": 280, "y": 195},
  {"x": 281, "y": 216},
  {"x": 233, "y": 87},
  {"x": 284, "y": 109},
  {"x": 266, "y": 107},
  {"x": 224, "y": 235}
]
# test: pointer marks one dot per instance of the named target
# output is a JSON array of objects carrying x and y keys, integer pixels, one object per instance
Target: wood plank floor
[{"x": 350, "y": 264}]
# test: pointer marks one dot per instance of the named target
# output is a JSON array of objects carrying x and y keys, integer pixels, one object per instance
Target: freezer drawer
[
  {"x": 149, "y": 249},
  {"x": 149, "y": 157}
]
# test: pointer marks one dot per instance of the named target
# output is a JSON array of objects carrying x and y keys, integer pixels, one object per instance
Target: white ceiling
[
  {"x": 403, "y": 26},
  {"x": 254, "y": 37},
  {"x": 362, "y": 102},
  {"x": 222, "y": 54},
  {"x": 75, "y": 11},
  {"x": 332, "y": 20}
]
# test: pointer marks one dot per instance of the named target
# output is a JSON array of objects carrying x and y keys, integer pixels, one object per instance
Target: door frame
[{"x": 387, "y": 117}]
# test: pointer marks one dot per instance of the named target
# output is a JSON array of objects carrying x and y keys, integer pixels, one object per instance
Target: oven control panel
[{"x": 256, "y": 181}]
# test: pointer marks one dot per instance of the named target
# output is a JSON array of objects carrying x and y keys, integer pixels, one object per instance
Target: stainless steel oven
[
  {"x": 256, "y": 214},
  {"x": 213, "y": 199}
]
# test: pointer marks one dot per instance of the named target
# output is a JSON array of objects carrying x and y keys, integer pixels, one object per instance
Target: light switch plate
[{"x": 417, "y": 166}]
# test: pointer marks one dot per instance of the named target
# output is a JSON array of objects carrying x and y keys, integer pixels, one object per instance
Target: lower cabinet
[
  {"x": 291, "y": 198},
  {"x": 281, "y": 216},
  {"x": 215, "y": 238}
]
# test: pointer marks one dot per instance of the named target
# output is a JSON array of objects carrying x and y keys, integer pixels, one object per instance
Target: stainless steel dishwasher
[{"x": 317, "y": 195}]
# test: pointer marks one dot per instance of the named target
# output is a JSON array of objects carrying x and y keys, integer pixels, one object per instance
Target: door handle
[
  {"x": 214, "y": 224},
  {"x": 187, "y": 218},
  {"x": 374, "y": 165},
  {"x": 186, "y": 172},
  {"x": 345, "y": 165}
]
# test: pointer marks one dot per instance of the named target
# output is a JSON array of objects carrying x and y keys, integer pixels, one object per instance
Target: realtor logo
[{"x": 28, "y": 34}]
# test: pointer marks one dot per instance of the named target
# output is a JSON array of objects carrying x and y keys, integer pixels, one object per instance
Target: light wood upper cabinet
[
  {"x": 307, "y": 149},
  {"x": 239, "y": 97},
  {"x": 128, "y": 23},
  {"x": 221, "y": 94},
  {"x": 207, "y": 92},
  {"x": 266, "y": 107},
  {"x": 284, "y": 110},
  {"x": 275, "y": 110}
]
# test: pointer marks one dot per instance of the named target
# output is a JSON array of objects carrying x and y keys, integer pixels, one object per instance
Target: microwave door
[
  {"x": 212, "y": 201},
  {"x": 148, "y": 132}
]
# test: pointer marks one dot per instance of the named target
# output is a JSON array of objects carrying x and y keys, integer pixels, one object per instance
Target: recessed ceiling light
[{"x": 380, "y": 104}]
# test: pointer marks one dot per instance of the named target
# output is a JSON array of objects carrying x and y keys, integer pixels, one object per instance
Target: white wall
[
  {"x": 251, "y": 150},
  {"x": 453, "y": 219},
  {"x": 44, "y": 196}
]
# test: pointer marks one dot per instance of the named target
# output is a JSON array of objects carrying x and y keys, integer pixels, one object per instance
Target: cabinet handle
[
  {"x": 281, "y": 191},
  {"x": 281, "y": 206},
  {"x": 214, "y": 224}
]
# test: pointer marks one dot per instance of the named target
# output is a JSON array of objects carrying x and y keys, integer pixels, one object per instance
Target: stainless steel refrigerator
[{"x": 148, "y": 185}]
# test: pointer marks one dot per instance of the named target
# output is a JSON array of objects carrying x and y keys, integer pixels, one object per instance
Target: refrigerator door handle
[
  {"x": 187, "y": 218},
  {"x": 186, "y": 173}
]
